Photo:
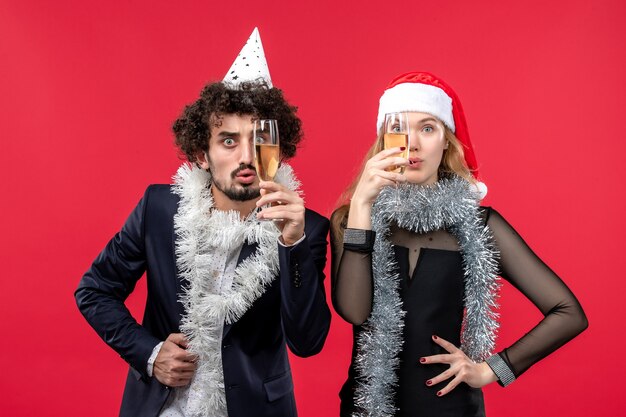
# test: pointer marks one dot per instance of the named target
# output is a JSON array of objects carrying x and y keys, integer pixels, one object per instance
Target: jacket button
[{"x": 297, "y": 282}]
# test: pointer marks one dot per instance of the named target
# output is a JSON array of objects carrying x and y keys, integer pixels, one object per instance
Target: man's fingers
[
  {"x": 181, "y": 368},
  {"x": 289, "y": 212},
  {"x": 176, "y": 381},
  {"x": 174, "y": 373},
  {"x": 174, "y": 366},
  {"x": 281, "y": 197},
  {"x": 178, "y": 339},
  {"x": 179, "y": 354},
  {"x": 270, "y": 186}
]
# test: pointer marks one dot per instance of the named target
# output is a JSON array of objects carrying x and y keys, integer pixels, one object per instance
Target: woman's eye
[
  {"x": 395, "y": 129},
  {"x": 428, "y": 129}
]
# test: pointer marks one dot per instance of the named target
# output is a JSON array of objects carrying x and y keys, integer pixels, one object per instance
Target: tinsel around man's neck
[{"x": 200, "y": 232}]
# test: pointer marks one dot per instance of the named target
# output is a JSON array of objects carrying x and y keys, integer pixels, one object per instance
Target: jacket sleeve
[
  {"x": 304, "y": 312},
  {"x": 109, "y": 281}
]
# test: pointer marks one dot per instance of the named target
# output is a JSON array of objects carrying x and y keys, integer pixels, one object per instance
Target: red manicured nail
[
  {"x": 439, "y": 394},
  {"x": 422, "y": 360},
  {"x": 402, "y": 148},
  {"x": 429, "y": 382},
  {"x": 435, "y": 337}
]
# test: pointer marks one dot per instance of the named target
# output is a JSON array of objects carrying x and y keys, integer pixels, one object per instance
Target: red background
[{"x": 88, "y": 92}]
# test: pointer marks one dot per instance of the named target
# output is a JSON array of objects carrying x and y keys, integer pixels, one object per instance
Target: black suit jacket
[{"x": 257, "y": 376}]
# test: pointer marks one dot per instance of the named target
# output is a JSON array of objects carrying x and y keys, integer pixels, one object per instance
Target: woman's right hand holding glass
[{"x": 377, "y": 173}]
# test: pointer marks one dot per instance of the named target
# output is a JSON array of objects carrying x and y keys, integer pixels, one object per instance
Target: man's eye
[
  {"x": 229, "y": 141},
  {"x": 259, "y": 140}
]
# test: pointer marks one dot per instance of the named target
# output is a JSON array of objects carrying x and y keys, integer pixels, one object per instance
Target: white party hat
[{"x": 250, "y": 64}]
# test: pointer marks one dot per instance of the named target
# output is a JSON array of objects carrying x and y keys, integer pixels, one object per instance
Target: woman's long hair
[{"x": 452, "y": 162}]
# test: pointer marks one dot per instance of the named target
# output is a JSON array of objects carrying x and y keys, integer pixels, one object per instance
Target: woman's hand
[
  {"x": 374, "y": 177},
  {"x": 287, "y": 209},
  {"x": 462, "y": 368}
]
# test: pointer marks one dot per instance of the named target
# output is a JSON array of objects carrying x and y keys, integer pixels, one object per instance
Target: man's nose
[{"x": 247, "y": 153}]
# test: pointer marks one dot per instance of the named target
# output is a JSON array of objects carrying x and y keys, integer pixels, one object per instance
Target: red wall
[{"x": 88, "y": 91}]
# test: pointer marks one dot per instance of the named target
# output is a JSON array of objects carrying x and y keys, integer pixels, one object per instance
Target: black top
[{"x": 431, "y": 288}]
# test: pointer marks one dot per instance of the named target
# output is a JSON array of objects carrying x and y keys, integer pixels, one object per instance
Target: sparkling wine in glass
[
  {"x": 266, "y": 148},
  {"x": 396, "y": 134}
]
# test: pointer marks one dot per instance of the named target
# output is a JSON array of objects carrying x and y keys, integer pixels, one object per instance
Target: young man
[{"x": 229, "y": 284}]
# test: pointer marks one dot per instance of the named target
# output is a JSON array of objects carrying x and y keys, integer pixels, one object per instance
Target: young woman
[{"x": 415, "y": 266}]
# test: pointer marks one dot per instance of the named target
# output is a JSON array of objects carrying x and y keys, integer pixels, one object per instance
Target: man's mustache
[{"x": 242, "y": 167}]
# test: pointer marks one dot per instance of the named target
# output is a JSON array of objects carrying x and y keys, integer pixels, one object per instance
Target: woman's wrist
[
  {"x": 488, "y": 376},
  {"x": 504, "y": 374},
  {"x": 359, "y": 216}
]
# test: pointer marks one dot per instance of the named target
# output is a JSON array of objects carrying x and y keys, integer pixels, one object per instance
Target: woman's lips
[{"x": 415, "y": 163}]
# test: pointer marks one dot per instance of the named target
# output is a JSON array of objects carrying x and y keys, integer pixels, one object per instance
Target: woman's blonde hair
[{"x": 452, "y": 162}]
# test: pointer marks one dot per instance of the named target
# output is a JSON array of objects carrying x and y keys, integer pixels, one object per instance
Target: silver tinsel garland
[
  {"x": 452, "y": 205},
  {"x": 199, "y": 230}
]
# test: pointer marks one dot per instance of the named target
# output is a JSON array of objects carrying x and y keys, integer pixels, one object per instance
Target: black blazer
[{"x": 257, "y": 376}]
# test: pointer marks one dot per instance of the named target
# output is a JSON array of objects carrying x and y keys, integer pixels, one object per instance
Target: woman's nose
[{"x": 414, "y": 141}]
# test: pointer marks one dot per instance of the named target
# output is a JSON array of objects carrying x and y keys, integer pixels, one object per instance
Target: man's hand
[
  {"x": 174, "y": 366},
  {"x": 287, "y": 208}
]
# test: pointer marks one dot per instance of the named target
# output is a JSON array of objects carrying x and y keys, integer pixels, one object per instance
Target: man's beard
[{"x": 246, "y": 193}]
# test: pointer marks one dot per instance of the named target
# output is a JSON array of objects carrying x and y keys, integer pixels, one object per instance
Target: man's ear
[{"x": 202, "y": 160}]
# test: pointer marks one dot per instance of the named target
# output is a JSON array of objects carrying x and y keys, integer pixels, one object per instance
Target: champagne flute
[
  {"x": 396, "y": 134},
  {"x": 266, "y": 148}
]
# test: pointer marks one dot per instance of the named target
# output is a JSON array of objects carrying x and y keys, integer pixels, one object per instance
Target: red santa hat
[{"x": 426, "y": 93}]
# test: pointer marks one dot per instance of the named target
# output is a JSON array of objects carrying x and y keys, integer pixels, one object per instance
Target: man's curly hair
[{"x": 192, "y": 130}]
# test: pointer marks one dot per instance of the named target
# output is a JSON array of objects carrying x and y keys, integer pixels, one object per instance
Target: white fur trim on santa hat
[
  {"x": 416, "y": 97},
  {"x": 481, "y": 189}
]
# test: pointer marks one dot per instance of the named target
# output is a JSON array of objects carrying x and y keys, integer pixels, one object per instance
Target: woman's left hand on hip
[{"x": 462, "y": 368}]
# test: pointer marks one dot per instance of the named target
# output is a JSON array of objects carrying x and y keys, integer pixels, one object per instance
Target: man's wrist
[
  {"x": 152, "y": 358},
  {"x": 288, "y": 243}
]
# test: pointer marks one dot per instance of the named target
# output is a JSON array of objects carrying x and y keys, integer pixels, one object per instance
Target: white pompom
[{"x": 481, "y": 189}]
